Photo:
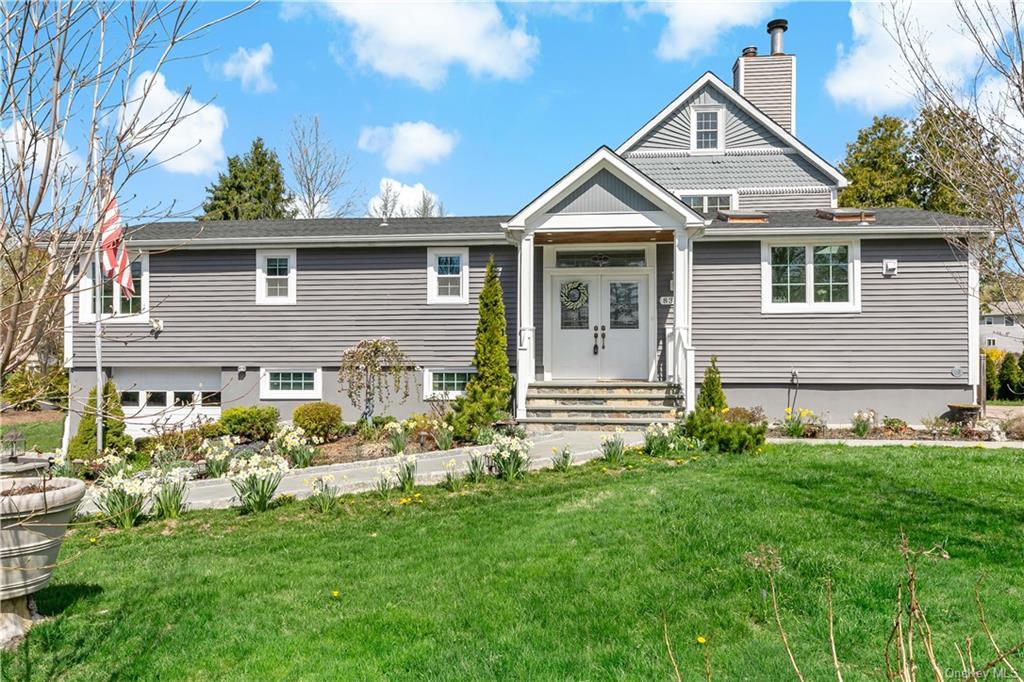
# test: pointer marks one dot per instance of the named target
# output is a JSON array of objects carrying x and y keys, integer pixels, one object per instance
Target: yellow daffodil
[
  {"x": 405, "y": 500},
  {"x": 92, "y": 541},
  {"x": 701, "y": 639}
]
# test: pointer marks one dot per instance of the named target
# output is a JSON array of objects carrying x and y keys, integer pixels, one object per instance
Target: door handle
[
  {"x": 602, "y": 340},
  {"x": 595, "y": 339}
]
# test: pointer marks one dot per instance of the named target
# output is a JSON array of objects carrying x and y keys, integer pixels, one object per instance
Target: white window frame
[
  {"x": 432, "y": 296},
  {"x": 261, "y": 276},
  {"x": 315, "y": 394},
  {"x": 428, "y": 382},
  {"x": 704, "y": 108},
  {"x": 810, "y": 306},
  {"x": 734, "y": 199},
  {"x": 87, "y": 295},
  {"x": 989, "y": 320}
]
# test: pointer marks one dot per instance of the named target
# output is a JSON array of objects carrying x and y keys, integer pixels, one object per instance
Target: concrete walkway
[{"x": 356, "y": 477}]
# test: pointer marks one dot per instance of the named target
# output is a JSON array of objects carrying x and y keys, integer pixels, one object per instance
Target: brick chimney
[{"x": 769, "y": 81}]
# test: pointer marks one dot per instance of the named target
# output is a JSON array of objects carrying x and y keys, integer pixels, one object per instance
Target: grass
[
  {"x": 44, "y": 434},
  {"x": 558, "y": 576},
  {"x": 1008, "y": 403}
]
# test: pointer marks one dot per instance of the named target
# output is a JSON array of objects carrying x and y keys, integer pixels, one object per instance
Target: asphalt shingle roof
[
  {"x": 884, "y": 217},
  {"x": 327, "y": 228},
  {"x": 719, "y": 172}
]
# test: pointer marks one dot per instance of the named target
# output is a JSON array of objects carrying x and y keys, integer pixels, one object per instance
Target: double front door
[{"x": 599, "y": 327}]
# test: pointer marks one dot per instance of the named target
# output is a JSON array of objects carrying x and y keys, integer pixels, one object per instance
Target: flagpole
[{"x": 98, "y": 306}]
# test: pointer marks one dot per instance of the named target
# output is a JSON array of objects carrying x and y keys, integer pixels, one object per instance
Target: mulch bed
[
  {"x": 352, "y": 448},
  {"x": 10, "y": 418},
  {"x": 885, "y": 434}
]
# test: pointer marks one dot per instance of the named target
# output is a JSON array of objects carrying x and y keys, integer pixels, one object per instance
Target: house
[
  {"x": 1001, "y": 326},
  {"x": 711, "y": 231}
]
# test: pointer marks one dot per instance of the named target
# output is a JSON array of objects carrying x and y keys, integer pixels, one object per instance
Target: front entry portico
[{"x": 595, "y": 300}]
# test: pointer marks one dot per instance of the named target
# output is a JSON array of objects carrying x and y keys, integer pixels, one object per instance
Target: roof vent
[
  {"x": 742, "y": 216},
  {"x": 861, "y": 216},
  {"x": 749, "y": 51}
]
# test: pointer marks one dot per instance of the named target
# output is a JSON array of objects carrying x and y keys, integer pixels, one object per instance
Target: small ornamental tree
[
  {"x": 711, "y": 397},
  {"x": 490, "y": 389},
  {"x": 83, "y": 445},
  {"x": 373, "y": 371},
  {"x": 1010, "y": 378},
  {"x": 991, "y": 377}
]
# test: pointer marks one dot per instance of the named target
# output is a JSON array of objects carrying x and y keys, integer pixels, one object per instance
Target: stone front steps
[{"x": 598, "y": 405}]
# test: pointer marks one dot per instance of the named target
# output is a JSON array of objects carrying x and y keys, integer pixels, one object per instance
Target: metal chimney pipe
[{"x": 776, "y": 28}]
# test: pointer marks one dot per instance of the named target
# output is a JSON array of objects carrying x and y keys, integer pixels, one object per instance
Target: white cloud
[
  {"x": 25, "y": 149},
  {"x": 419, "y": 41},
  {"x": 693, "y": 26},
  {"x": 252, "y": 68},
  {"x": 407, "y": 147},
  {"x": 193, "y": 143},
  {"x": 872, "y": 75},
  {"x": 409, "y": 197}
]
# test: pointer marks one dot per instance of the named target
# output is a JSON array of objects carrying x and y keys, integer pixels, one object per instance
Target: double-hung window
[
  {"x": 275, "y": 277},
  {"x": 117, "y": 304},
  {"x": 448, "y": 275},
  {"x": 290, "y": 383},
  {"x": 711, "y": 203},
  {"x": 706, "y": 133},
  {"x": 810, "y": 277}
]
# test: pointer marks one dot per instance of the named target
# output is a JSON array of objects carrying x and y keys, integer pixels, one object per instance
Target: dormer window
[{"x": 706, "y": 130}]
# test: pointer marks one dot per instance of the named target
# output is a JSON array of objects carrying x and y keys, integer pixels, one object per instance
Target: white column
[
  {"x": 525, "y": 358},
  {"x": 682, "y": 340}
]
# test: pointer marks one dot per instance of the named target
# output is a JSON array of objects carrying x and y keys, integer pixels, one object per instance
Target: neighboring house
[
  {"x": 1001, "y": 326},
  {"x": 711, "y": 231}
]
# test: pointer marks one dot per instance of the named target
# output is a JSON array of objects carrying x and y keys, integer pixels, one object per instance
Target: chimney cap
[
  {"x": 749, "y": 51},
  {"x": 777, "y": 23}
]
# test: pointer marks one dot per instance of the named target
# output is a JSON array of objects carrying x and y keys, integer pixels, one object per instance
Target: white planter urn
[{"x": 32, "y": 526}]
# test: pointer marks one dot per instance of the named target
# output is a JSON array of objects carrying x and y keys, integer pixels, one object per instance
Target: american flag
[{"x": 115, "y": 258}]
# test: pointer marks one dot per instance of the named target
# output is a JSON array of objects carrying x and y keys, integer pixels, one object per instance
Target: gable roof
[
  {"x": 336, "y": 231},
  {"x": 710, "y": 79},
  {"x": 605, "y": 159}
]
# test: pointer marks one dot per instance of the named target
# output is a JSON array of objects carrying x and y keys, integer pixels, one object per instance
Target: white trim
[
  {"x": 315, "y": 394},
  {"x": 433, "y": 298},
  {"x": 793, "y": 189},
  {"x": 973, "y": 320},
  {"x": 198, "y": 242},
  {"x": 604, "y": 159},
  {"x": 428, "y": 382},
  {"x": 69, "y": 329},
  {"x": 649, "y": 271},
  {"x": 261, "y": 276},
  {"x": 740, "y": 151},
  {"x": 719, "y": 111},
  {"x": 526, "y": 359},
  {"x": 792, "y": 101},
  {"x": 810, "y": 306},
  {"x": 87, "y": 295},
  {"x": 734, "y": 199},
  {"x": 780, "y": 132}
]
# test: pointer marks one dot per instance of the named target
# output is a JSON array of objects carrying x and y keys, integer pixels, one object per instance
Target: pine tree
[
  {"x": 711, "y": 397},
  {"x": 252, "y": 189},
  {"x": 991, "y": 377},
  {"x": 880, "y": 167},
  {"x": 489, "y": 390},
  {"x": 83, "y": 445},
  {"x": 1010, "y": 378}
]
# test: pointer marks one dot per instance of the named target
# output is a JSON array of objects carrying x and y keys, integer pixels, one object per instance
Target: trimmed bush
[
  {"x": 83, "y": 445},
  {"x": 718, "y": 435},
  {"x": 29, "y": 389},
  {"x": 711, "y": 397},
  {"x": 991, "y": 377},
  {"x": 257, "y": 422},
  {"x": 489, "y": 391},
  {"x": 1010, "y": 378},
  {"x": 319, "y": 420}
]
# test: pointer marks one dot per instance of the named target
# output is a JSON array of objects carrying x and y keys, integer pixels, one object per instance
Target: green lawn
[
  {"x": 560, "y": 576},
  {"x": 44, "y": 434}
]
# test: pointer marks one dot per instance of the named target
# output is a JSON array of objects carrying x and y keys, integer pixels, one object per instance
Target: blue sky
[{"x": 505, "y": 99}]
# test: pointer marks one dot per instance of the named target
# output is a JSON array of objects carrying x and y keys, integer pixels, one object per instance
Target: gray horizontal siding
[
  {"x": 741, "y": 130},
  {"x": 784, "y": 202},
  {"x": 603, "y": 193},
  {"x": 913, "y": 328},
  {"x": 206, "y": 299},
  {"x": 768, "y": 84}
]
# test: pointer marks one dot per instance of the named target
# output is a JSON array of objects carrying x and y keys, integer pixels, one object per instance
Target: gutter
[
  {"x": 854, "y": 230},
  {"x": 471, "y": 239}
]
